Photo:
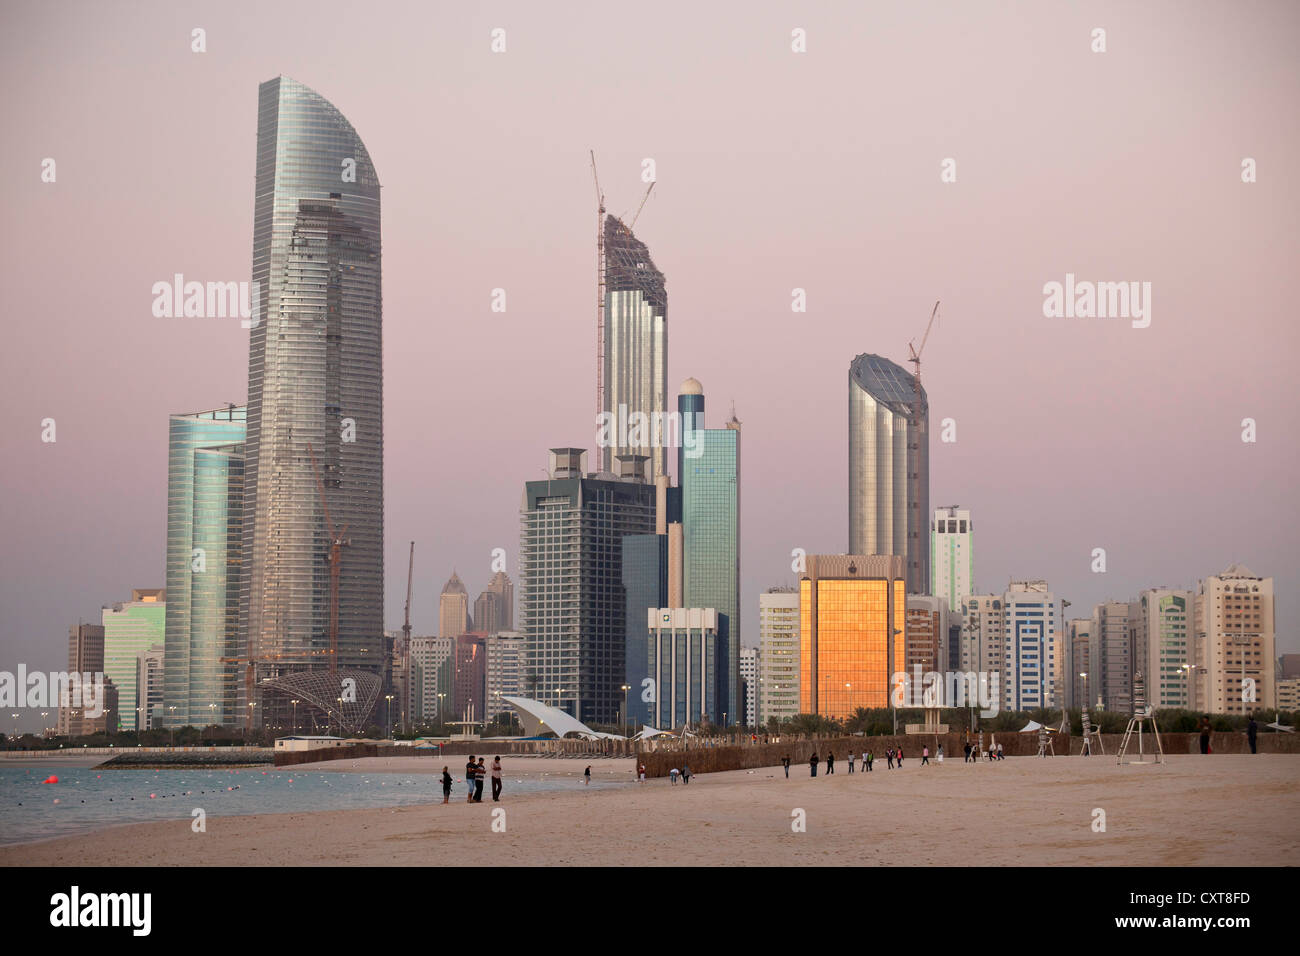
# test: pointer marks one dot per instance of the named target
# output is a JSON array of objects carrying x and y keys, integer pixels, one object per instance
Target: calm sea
[{"x": 86, "y": 799}]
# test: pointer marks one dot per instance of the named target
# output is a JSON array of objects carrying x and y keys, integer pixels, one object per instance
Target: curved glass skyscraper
[
  {"x": 314, "y": 381},
  {"x": 889, "y": 467},
  {"x": 205, "y": 502}
]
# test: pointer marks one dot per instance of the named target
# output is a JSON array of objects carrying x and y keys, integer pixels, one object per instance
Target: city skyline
[{"x": 1045, "y": 409}]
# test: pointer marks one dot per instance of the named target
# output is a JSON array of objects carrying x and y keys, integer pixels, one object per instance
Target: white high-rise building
[
  {"x": 432, "y": 670},
  {"x": 1163, "y": 644},
  {"x": 1033, "y": 661},
  {"x": 505, "y": 654},
  {"x": 778, "y": 649},
  {"x": 749, "y": 677},
  {"x": 952, "y": 556},
  {"x": 983, "y": 633},
  {"x": 1235, "y": 642}
]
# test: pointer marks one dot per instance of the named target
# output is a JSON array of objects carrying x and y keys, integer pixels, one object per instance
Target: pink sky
[{"x": 775, "y": 170}]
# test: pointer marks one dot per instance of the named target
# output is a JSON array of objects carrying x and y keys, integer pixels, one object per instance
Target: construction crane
[
  {"x": 337, "y": 541},
  {"x": 637, "y": 215},
  {"x": 600, "y": 293},
  {"x": 406, "y": 639},
  {"x": 915, "y": 357},
  {"x": 920, "y": 422}
]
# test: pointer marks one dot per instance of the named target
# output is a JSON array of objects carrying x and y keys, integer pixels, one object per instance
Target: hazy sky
[{"x": 775, "y": 170}]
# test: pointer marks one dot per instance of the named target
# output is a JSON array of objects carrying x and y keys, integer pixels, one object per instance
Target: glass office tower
[
  {"x": 645, "y": 582},
  {"x": 851, "y": 632},
  {"x": 889, "y": 467},
  {"x": 573, "y": 605},
  {"x": 315, "y": 388},
  {"x": 130, "y": 629},
  {"x": 205, "y": 504},
  {"x": 710, "y": 483},
  {"x": 636, "y": 344}
]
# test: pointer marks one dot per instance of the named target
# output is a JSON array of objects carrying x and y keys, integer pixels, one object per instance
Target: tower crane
[{"x": 915, "y": 357}]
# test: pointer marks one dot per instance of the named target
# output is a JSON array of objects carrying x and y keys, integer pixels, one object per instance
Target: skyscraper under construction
[{"x": 315, "y": 389}]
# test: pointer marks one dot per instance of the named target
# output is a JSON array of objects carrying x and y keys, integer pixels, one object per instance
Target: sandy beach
[{"x": 1229, "y": 810}]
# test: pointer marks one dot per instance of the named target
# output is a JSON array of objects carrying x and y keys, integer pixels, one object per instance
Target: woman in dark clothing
[{"x": 812, "y": 763}]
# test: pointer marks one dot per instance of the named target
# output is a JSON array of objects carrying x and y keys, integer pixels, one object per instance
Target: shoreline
[{"x": 1024, "y": 811}]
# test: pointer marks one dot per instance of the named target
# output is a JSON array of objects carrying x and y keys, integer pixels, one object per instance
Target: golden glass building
[{"x": 852, "y": 609}]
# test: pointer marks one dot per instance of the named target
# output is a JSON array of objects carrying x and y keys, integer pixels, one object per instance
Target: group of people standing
[
  {"x": 893, "y": 756},
  {"x": 475, "y": 774},
  {"x": 973, "y": 753}
]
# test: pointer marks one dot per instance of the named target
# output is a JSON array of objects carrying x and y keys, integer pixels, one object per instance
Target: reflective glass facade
[
  {"x": 889, "y": 467},
  {"x": 711, "y": 532},
  {"x": 131, "y": 628},
  {"x": 851, "y": 625},
  {"x": 645, "y": 582},
  {"x": 636, "y": 341},
  {"x": 205, "y": 505},
  {"x": 314, "y": 379}
]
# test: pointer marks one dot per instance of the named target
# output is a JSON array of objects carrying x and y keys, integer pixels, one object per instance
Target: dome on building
[{"x": 691, "y": 386}]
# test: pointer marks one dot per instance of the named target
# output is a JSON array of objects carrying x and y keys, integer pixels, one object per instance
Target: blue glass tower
[
  {"x": 645, "y": 580},
  {"x": 205, "y": 500},
  {"x": 710, "y": 483}
]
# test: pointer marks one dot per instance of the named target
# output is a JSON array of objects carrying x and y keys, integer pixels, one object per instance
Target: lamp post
[
  {"x": 892, "y": 705},
  {"x": 388, "y": 713},
  {"x": 295, "y": 716},
  {"x": 171, "y": 721},
  {"x": 627, "y": 724}
]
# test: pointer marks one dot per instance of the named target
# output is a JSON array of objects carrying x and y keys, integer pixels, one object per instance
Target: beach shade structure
[
  {"x": 645, "y": 733},
  {"x": 1031, "y": 728},
  {"x": 539, "y": 718},
  {"x": 1275, "y": 725}
]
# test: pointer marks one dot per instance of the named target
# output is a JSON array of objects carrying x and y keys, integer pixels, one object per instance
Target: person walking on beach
[
  {"x": 966, "y": 758},
  {"x": 586, "y": 776},
  {"x": 785, "y": 762},
  {"x": 686, "y": 773},
  {"x": 471, "y": 770},
  {"x": 496, "y": 779},
  {"x": 852, "y": 757},
  {"x": 641, "y": 774},
  {"x": 1205, "y": 735},
  {"x": 939, "y": 755},
  {"x": 480, "y": 774},
  {"x": 446, "y": 786},
  {"x": 812, "y": 763},
  {"x": 672, "y": 776},
  {"x": 900, "y": 758},
  {"x": 867, "y": 759},
  {"x": 1000, "y": 757},
  {"x": 889, "y": 755},
  {"x": 925, "y": 756},
  {"x": 830, "y": 761},
  {"x": 1251, "y": 730}
]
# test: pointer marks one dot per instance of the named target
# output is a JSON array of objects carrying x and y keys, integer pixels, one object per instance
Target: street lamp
[
  {"x": 388, "y": 711},
  {"x": 295, "y": 716},
  {"x": 627, "y": 724},
  {"x": 171, "y": 720}
]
